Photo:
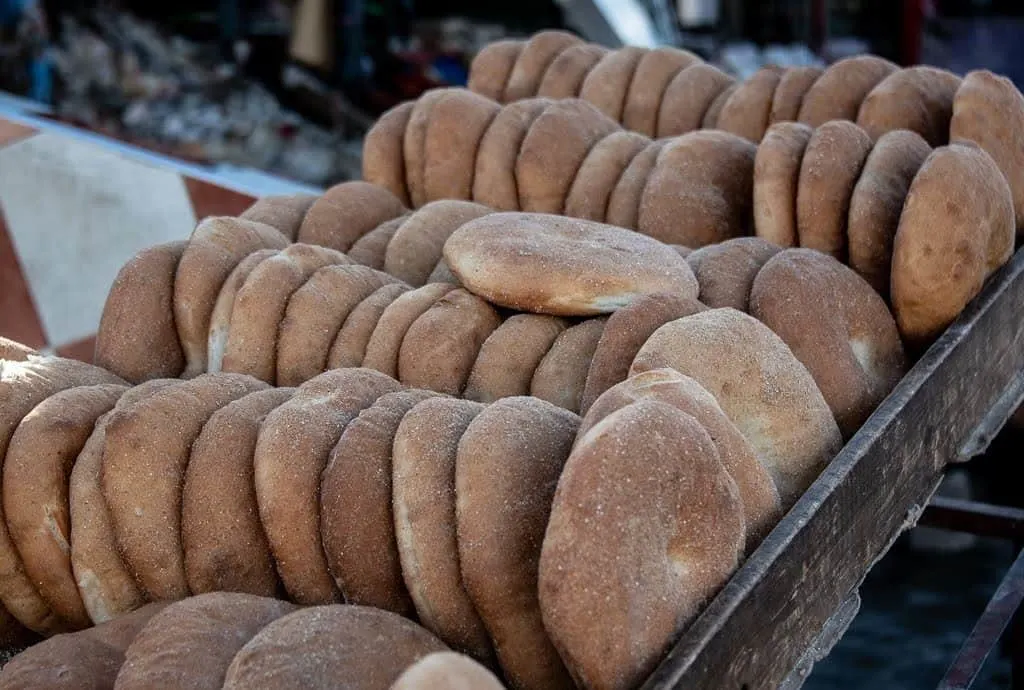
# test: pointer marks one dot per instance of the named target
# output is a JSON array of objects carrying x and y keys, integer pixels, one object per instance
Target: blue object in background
[
  {"x": 12, "y": 10},
  {"x": 450, "y": 70}
]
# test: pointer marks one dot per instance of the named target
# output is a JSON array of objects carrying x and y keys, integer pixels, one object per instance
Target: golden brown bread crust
[
  {"x": 688, "y": 97},
  {"x": 490, "y": 69},
  {"x": 564, "y": 76},
  {"x": 261, "y": 303},
  {"x": 533, "y": 61},
  {"x": 284, "y": 212},
  {"x": 620, "y": 548},
  {"x": 607, "y": 84},
  {"x": 371, "y": 248},
  {"x": 747, "y": 111},
  {"x": 509, "y": 460},
  {"x": 315, "y": 315},
  {"x": 836, "y": 325},
  {"x": 841, "y": 88},
  {"x": 917, "y": 98},
  {"x": 224, "y": 545},
  {"x": 760, "y": 385},
  {"x": 725, "y": 271},
  {"x": 789, "y": 94},
  {"x": 39, "y": 460},
  {"x": 989, "y": 110},
  {"x": 458, "y": 121},
  {"x": 776, "y": 179},
  {"x": 349, "y": 347},
  {"x": 509, "y": 357},
  {"x": 957, "y": 227},
  {"x": 700, "y": 190},
  {"x": 292, "y": 450},
  {"x": 220, "y": 317},
  {"x": 385, "y": 344},
  {"x": 144, "y": 469},
  {"x": 447, "y": 670},
  {"x": 346, "y": 212},
  {"x": 877, "y": 203},
  {"x": 416, "y": 247},
  {"x": 647, "y": 87},
  {"x": 108, "y": 590},
  {"x": 759, "y": 498},
  {"x": 531, "y": 262},
  {"x": 562, "y": 373},
  {"x": 832, "y": 162},
  {"x": 624, "y": 202},
  {"x": 216, "y": 246},
  {"x": 191, "y": 643},
  {"x": 599, "y": 173},
  {"x": 553, "y": 150},
  {"x": 440, "y": 347},
  {"x": 137, "y": 338},
  {"x": 85, "y": 660},
  {"x": 624, "y": 334},
  {"x": 314, "y": 647},
  {"x": 383, "y": 155},
  {"x": 23, "y": 386},
  {"x": 423, "y": 491},
  {"x": 494, "y": 179},
  {"x": 356, "y": 521}
]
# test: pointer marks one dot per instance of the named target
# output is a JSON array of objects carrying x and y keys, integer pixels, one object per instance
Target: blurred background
[{"x": 288, "y": 89}]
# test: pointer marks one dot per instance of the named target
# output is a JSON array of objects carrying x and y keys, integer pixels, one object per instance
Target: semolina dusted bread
[
  {"x": 284, "y": 211},
  {"x": 508, "y": 463},
  {"x": 620, "y": 548},
  {"x": 457, "y": 123},
  {"x": 383, "y": 154},
  {"x": 989, "y": 110},
  {"x": 562, "y": 266},
  {"x": 747, "y": 111},
  {"x": 877, "y": 203},
  {"x": 137, "y": 338},
  {"x": 726, "y": 271},
  {"x": 216, "y": 247},
  {"x": 653, "y": 73},
  {"x": 190, "y": 643},
  {"x": 688, "y": 97},
  {"x": 346, "y": 212},
  {"x": 607, "y": 84},
  {"x": 507, "y": 360},
  {"x": 533, "y": 61},
  {"x": 832, "y": 162},
  {"x": 760, "y": 499},
  {"x": 956, "y": 229},
  {"x": 776, "y": 181},
  {"x": 838, "y": 93},
  {"x": 564, "y": 76},
  {"x": 760, "y": 385},
  {"x": 491, "y": 67},
  {"x": 599, "y": 173},
  {"x": 919, "y": 99},
  {"x": 494, "y": 176},
  {"x": 624, "y": 333},
  {"x": 553, "y": 150},
  {"x": 789, "y": 94},
  {"x": 836, "y": 325},
  {"x": 424, "y": 455},
  {"x": 313, "y": 647},
  {"x": 700, "y": 190},
  {"x": 417, "y": 245}
]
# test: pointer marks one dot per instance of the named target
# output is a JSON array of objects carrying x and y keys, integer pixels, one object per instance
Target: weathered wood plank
[{"x": 761, "y": 624}]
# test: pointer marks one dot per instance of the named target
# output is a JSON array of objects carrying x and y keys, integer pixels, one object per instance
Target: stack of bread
[
  {"x": 234, "y": 640},
  {"x": 547, "y": 439}
]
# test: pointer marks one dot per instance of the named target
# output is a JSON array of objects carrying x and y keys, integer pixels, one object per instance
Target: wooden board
[{"x": 762, "y": 624}]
